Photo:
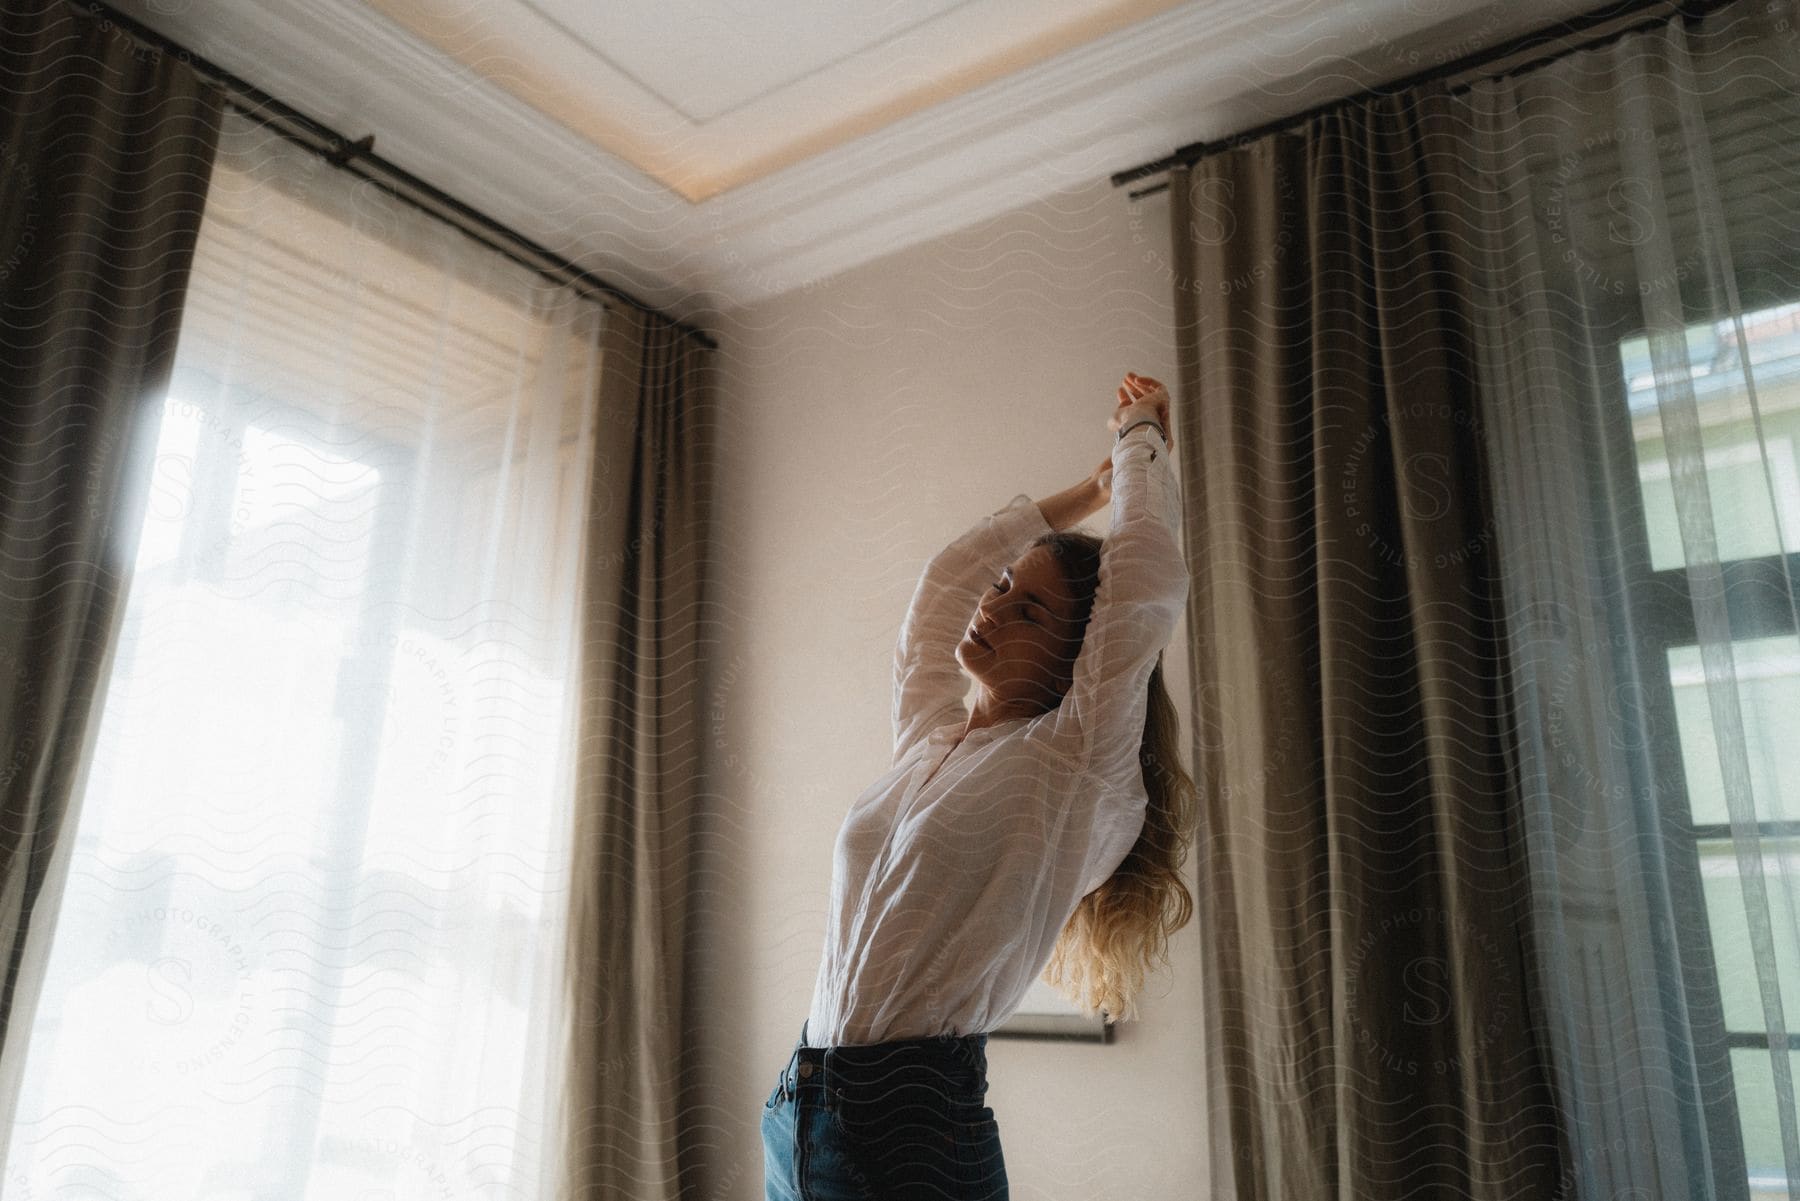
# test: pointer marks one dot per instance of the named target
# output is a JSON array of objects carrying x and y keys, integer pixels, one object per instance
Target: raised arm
[
  {"x": 1141, "y": 597},
  {"x": 929, "y": 683}
]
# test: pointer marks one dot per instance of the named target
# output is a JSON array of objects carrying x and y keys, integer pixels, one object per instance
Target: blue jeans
[{"x": 893, "y": 1121}]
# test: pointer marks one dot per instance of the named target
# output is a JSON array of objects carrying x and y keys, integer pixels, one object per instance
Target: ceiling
[{"x": 703, "y": 155}]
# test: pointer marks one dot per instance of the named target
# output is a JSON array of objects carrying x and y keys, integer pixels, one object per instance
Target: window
[
  {"x": 311, "y": 937},
  {"x": 1754, "y": 514}
]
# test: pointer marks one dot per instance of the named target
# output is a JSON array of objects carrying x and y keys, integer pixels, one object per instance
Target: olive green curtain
[
  {"x": 1371, "y": 1029},
  {"x": 105, "y": 152},
  {"x": 634, "y": 1123}
]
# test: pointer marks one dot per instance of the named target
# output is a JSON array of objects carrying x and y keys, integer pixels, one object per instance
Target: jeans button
[{"x": 806, "y": 1069}]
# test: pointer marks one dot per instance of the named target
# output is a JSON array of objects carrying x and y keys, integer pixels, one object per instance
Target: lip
[{"x": 976, "y": 637}]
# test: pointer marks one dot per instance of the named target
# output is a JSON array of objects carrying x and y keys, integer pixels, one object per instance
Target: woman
[{"x": 1041, "y": 831}]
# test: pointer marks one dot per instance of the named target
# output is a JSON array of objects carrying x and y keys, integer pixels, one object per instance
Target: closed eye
[{"x": 1000, "y": 585}]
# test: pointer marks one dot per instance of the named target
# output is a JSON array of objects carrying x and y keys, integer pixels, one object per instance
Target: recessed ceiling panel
[
  {"x": 703, "y": 96},
  {"x": 705, "y": 58}
]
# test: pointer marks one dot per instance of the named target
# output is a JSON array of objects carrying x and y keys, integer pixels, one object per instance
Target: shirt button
[{"x": 806, "y": 1069}]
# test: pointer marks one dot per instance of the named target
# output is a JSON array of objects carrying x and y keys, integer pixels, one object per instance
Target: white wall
[{"x": 871, "y": 417}]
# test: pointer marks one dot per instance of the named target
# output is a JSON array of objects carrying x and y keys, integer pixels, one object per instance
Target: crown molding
[{"x": 1200, "y": 70}]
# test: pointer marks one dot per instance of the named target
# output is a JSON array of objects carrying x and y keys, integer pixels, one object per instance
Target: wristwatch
[{"x": 1142, "y": 421}]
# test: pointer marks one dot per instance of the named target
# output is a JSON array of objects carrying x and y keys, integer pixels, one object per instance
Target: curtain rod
[
  {"x": 1193, "y": 152},
  {"x": 319, "y": 138}
]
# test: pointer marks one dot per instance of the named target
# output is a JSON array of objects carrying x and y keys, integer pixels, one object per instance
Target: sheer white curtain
[
  {"x": 1638, "y": 256},
  {"x": 309, "y": 929}
]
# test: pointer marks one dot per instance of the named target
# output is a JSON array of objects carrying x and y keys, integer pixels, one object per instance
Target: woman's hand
[{"x": 1140, "y": 396}]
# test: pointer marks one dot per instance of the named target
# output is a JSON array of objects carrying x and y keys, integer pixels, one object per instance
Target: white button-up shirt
[{"x": 954, "y": 873}]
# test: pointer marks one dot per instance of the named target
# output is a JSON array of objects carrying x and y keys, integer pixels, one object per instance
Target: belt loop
[
  {"x": 790, "y": 1081},
  {"x": 832, "y": 1080}
]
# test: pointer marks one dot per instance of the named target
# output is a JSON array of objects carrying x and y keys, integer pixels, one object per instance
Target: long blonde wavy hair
[{"x": 1119, "y": 931}]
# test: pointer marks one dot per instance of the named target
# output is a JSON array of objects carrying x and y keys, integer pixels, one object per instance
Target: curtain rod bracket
[{"x": 348, "y": 150}]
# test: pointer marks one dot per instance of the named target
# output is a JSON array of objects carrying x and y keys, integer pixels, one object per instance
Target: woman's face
[{"x": 1022, "y": 641}]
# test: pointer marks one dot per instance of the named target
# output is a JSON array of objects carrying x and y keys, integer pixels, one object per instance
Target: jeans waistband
[{"x": 958, "y": 1062}]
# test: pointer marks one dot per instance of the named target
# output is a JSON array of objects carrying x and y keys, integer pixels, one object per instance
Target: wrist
[
  {"x": 1152, "y": 421},
  {"x": 1137, "y": 410}
]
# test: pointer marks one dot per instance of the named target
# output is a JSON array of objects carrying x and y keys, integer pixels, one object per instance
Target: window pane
[
  {"x": 1744, "y": 508},
  {"x": 1753, "y": 1075},
  {"x": 1768, "y": 696},
  {"x": 1728, "y": 918}
]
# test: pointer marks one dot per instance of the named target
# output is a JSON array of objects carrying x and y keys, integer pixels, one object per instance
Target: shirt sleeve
[
  {"x": 929, "y": 684},
  {"x": 1141, "y": 597}
]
